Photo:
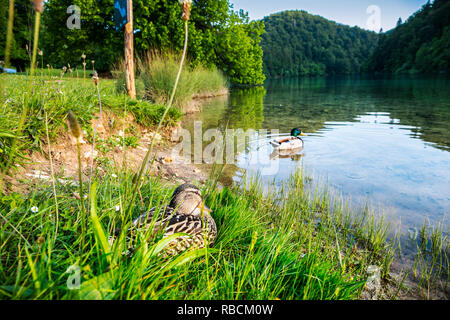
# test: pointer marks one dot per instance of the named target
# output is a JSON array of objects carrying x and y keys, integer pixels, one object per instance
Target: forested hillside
[
  {"x": 298, "y": 43},
  {"x": 421, "y": 44}
]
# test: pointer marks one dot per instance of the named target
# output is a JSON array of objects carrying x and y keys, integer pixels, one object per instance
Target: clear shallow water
[{"x": 385, "y": 141}]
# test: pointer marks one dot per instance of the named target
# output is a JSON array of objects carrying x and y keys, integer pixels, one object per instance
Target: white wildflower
[{"x": 34, "y": 209}]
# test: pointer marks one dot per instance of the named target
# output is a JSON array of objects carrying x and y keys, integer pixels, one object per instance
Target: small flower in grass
[
  {"x": 117, "y": 208},
  {"x": 85, "y": 196},
  {"x": 114, "y": 175},
  {"x": 74, "y": 125},
  {"x": 34, "y": 209},
  {"x": 95, "y": 77},
  {"x": 83, "y": 56},
  {"x": 40, "y": 52}
]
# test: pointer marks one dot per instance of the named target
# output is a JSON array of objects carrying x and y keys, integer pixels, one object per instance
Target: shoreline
[{"x": 174, "y": 170}]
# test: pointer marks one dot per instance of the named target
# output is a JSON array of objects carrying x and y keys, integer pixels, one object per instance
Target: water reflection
[{"x": 383, "y": 139}]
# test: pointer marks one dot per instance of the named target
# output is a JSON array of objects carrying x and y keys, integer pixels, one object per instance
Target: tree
[
  {"x": 313, "y": 46},
  {"x": 399, "y": 22},
  {"x": 23, "y": 21},
  {"x": 158, "y": 26},
  {"x": 97, "y": 38},
  {"x": 3, "y": 24},
  {"x": 420, "y": 45},
  {"x": 238, "y": 50}
]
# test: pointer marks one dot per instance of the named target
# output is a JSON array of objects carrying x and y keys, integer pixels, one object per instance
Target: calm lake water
[{"x": 384, "y": 141}]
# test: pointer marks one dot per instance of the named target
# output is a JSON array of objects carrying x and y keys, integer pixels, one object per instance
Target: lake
[{"x": 382, "y": 141}]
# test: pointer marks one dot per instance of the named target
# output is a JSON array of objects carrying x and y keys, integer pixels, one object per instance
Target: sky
[{"x": 367, "y": 14}]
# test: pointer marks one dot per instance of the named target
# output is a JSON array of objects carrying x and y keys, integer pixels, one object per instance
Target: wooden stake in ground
[{"x": 129, "y": 52}]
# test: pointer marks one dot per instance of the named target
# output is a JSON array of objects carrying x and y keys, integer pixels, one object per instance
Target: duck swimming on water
[
  {"x": 186, "y": 213},
  {"x": 289, "y": 143}
]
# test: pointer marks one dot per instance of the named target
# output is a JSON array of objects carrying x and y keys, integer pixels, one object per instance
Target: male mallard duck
[
  {"x": 289, "y": 143},
  {"x": 186, "y": 213}
]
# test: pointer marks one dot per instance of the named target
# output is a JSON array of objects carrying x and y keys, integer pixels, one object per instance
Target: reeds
[
  {"x": 75, "y": 129},
  {"x": 431, "y": 261},
  {"x": 266, "y": 248},
  {"x": 38, "y": 7},
  {"x": 158, "y": 73}
]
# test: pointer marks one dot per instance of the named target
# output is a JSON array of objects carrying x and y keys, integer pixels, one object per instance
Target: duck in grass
[
  {"x": 290, "y": 143},
  {"x": 186, "y": 213}
]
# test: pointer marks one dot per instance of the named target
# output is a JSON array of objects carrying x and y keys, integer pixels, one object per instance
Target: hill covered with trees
[
  {"x": 420, "y": 45},
  {"x": 297, "y": 43}
]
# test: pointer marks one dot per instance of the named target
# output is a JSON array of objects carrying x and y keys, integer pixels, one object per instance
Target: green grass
[
  {"x": 275, "y": 246},
  {"x": 431, "y": 261},
  {"x": 287, "y": 243},
  {"x": 270, "y": 246},
  {"x": 157, "y": 73},
  {"x": 56, "y": 96}
]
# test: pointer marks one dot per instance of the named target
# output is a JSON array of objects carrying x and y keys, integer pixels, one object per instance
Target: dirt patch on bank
[{"x": 110, "y": 153}]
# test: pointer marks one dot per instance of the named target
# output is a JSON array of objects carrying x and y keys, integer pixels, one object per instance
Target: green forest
[
  {"x": 285, "y": 44},
  {"x": 218, "y": 35},
  {"x": 420, "y": 45},
  {"x": 297, "y": 43}
]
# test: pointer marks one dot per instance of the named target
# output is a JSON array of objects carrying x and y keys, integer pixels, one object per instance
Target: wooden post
[{"x": 129, "y": 52}]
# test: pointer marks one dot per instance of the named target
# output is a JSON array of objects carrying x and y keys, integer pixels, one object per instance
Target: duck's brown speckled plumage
[{"x": 186, "y": 213}]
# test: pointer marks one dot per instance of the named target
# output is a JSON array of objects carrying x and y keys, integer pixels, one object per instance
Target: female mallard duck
[
  {"x": 186, "y": 213},
  {"x": 289, "y": 143}
]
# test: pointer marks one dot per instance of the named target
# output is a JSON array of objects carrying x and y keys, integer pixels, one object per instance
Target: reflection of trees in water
[
  {"x": 245, "y": 109},
  {"x": 308, "y": 103}
]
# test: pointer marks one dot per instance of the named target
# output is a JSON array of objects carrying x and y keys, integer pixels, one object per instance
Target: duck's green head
[{"x": 297, "y": 132}]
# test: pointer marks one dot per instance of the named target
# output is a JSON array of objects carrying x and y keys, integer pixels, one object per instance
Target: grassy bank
[
  {"x": 279, "y": 246},
  {"x": 156, "y": 75},
  {"x": 289, "y": 243},
  {"x": 44, "y": 102}
]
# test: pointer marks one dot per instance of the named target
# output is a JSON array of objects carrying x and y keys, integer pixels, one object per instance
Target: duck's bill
[{"x": 302, "y": 134}]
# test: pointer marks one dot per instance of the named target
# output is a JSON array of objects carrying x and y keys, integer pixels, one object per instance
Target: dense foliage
[
  {"x": 218, "y": 36},
  {"x": 421, "y": 44},
  {"x": 23, "y": 20},
  {"x": 297, "y": 43}
]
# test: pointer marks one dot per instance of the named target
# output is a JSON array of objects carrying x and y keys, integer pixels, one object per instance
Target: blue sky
[{"x": 350, "y": 12}]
